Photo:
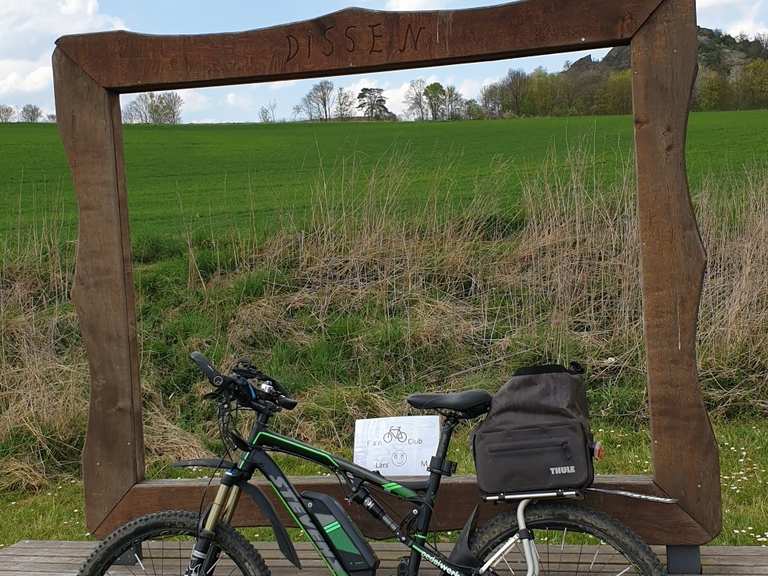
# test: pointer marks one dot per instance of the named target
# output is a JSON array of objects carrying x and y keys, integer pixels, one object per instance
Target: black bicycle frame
[{"x": 356, "y": 478}]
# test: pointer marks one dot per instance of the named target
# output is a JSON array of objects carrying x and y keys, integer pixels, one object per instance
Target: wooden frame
[{"x": 91, "y": 70}]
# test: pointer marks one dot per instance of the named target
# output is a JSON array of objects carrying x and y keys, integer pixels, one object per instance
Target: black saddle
[{"x": 469, "y": 404}]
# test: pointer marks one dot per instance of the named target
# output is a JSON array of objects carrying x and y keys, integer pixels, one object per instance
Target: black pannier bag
[{"x": 536, "y": 436}]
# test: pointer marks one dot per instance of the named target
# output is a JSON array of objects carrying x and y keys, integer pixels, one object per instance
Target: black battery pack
[{"x": 341, "y": 534}]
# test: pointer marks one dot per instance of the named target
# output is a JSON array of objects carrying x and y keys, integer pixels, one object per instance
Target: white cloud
[
  {"x": 194, "y": 100},
  {"x": 24, "y": 76},
  {"x": 279, "y": 85},
  {"x": 752, "y": 20},
  {"x": 395, "y": 98},
  {"x": 28, "y": 30},
  {"x": 470, "y": 88},
  {"x": 734, "y": 16},
  {"x": 360, "y": 83},
  {"x": 704, "y": 4},
  {"x": 239, "y": 100}
]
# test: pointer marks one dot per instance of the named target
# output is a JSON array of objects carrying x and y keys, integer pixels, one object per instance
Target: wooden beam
[
  {"x": 457, "y": 497},
  {"x": 685, "y": 454},
  {"x": 89, "y": 123},
  {"x": 352, "y": 41},
  {"x": 90, "y": 70}
]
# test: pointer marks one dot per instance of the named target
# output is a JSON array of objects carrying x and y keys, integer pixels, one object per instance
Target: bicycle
[
  {"x": 568, "y": 536},
  {"x": 395, "y": 433}
]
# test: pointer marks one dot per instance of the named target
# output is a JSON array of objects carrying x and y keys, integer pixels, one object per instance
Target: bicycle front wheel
[
  {"x": 161, "y": 545},
  {"x": 569, "y": 539}
]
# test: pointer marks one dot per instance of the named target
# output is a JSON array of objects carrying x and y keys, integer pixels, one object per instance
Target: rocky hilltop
[{"x": 718, "y": 51}]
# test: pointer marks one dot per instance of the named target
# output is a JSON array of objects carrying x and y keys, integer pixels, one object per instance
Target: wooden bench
[{"x": 58, "y": 558}]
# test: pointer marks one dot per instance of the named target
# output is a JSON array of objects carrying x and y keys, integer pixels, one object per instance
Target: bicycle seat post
[{"x": 438, "y": 467}]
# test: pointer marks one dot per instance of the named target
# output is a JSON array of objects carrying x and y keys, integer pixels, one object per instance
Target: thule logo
[{"x": 557, "y": 470}]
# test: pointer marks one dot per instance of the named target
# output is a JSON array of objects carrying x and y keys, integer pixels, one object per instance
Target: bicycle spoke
[
  {"x": 170, "y": 557},
  {"x": 567, "y": 553}
]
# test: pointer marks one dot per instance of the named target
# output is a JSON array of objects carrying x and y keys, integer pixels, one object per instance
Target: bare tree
[
  {"x": 267, "y": 113},
  {"x": 6, "y": 113},
  {"x": 309, "y": 108},
  {"x": 454, "y": 103},
  {"x": 298, "y": 111},
  {"x": 153, "y": 108},
  {"x": 320, "y": 100},
  {"x": 137, "y": 111},
  {"x": 345, "y": 104},
  {"x": 30, "y": 113},
  {"x": 415, "y": 101},
  {"x": 51, "y": 118}
]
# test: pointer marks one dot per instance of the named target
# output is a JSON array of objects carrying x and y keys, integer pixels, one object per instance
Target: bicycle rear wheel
[
  {"x": 570, "y": 539},
  {"x": 161, "y": 545}
]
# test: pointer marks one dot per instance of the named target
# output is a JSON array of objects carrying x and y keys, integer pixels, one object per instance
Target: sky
[{"x": 28, "y": 29}]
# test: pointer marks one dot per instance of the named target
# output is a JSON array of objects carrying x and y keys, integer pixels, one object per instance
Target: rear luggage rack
[
  {"x": 635, "y": 495},
  {"x": 533, "y": 495},
  {"x": 576, "y": 494}
]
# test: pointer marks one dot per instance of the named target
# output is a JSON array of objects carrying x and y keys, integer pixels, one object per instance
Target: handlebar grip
[
  {"x": 287, "y": 403},
  {"x": 207, "y": 368}
]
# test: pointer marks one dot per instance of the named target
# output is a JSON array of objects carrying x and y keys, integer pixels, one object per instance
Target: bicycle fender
[
  {"x": 461, "y": 553},
  {"x": 204, "y": 463},
  {"x": 281, "y": 534}
]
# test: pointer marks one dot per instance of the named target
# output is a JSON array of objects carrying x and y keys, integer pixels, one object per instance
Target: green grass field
[
  {"x": 225, "y": 173},
  {"x": 364, "y": 306}
]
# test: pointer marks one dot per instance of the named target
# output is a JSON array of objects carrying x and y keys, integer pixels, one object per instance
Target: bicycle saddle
[{"x": 469, "y": 404}]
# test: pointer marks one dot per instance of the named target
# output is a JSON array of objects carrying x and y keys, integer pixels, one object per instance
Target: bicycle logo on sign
[{"x": 395, "y": 433}]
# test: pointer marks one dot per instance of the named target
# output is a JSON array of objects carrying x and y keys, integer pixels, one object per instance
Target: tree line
[
  {"x": 326, "y": 102},
  {"x": 147, "y": 108},
  {"x": 538, "y": 93},
  {"x": 27, "y": 113},
  {"x": 717, "y": 90},
  {"x": 154, "y": 108},
  {"x": 423, "y": 101}
]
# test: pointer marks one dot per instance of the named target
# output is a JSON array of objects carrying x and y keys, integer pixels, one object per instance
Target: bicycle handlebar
[
  {"x": 244, "y": 392},
  {"x": 213, "y": 375}
]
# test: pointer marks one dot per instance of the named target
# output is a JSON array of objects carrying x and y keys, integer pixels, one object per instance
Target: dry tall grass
[
  {"x": 443, "y": 296},
  {"x": 44, "y": 372},
  {"x": 477, "y": 292}
]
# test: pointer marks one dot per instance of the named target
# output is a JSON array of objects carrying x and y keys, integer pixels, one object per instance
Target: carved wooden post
[
  {"x": 673, "y": 261},
  {"x": 90, "y": 71},
  {"x": 685, "y": 454},
  {"x": 89, "y": 123}
]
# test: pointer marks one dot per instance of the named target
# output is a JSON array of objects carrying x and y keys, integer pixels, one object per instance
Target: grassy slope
[{"x": 216, "y": 171}]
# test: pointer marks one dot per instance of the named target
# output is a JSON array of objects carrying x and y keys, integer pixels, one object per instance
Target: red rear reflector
[{"x": 598, "y": 451}]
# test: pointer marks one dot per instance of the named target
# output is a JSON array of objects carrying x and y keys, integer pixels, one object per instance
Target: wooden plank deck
[{"x": 60, "y": 558}]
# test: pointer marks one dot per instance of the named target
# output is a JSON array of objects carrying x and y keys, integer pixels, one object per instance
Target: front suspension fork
[{"x": 205, "y": 554}]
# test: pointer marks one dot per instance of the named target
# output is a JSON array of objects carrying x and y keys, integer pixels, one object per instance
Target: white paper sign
[{"x": 399, "y": 446}]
